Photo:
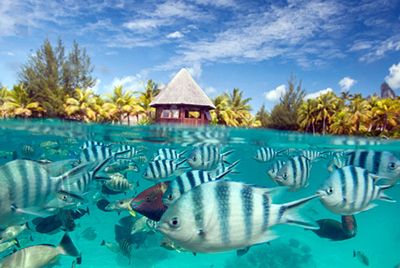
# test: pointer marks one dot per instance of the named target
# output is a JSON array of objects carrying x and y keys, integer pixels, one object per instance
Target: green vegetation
[{"x": 55, "y": 84}]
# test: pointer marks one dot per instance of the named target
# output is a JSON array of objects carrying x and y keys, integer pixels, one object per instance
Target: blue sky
[{"x": 252, "y": 45}]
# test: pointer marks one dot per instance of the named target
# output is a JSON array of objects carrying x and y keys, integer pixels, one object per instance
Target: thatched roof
[{"x": 182, "y": 89}]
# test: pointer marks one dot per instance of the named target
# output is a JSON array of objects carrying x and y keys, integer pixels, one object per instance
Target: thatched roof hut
[{"x": 182, "y": 101}]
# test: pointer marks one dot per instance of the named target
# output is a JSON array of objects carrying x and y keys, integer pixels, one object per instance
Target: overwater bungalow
[{"x": 183, "y": 101}]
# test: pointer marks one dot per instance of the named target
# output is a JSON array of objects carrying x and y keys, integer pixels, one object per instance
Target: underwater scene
[{"x": 87, "y": 195}]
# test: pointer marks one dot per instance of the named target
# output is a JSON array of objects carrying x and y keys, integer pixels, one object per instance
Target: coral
[{"x": 276, "y": 255}]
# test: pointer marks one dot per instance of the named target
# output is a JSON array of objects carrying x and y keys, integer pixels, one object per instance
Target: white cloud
[
  {"x": 144, "y": 24},
  {"x": 346, "y": 83},
  {"x": 175, "y": 35},
  {"x": 379, "y": 49},
  {"x": 275, "y": 94},
  {"x": 8, "y": 53},
  {"x": 217, "y": 3},
  {"x": 195, "y": 70},
  {"x": 131, "y": 82},
  {"x": 210, "y": 90},
  {"x": 393, "y": 79},
  {"x": 315, "y": 95}
]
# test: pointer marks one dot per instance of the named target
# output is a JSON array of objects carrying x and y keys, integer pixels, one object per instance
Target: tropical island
[{"x": 53, "y": 84}]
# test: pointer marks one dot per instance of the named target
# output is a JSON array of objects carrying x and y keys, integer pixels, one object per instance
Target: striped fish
[
  {"x": 94, "y": 153},
  {"x": 118, "y": 183},
  {"x": 276, "y": 166},
  {"x": 265, "y": 154},
  {"x": 161, "y": 169},
  {"x": 27, "y": 151},
  {"x": 27, "y": 188},
  {"x": 313, "y": 155},
  {"x": 207, "y": 158},
  {"x": 294, "y": 173},
  {"x": 188, "y": 180},
  {"x": 168, "y": 153},
  {"x": 225, "y": 215},
  {"x": 350, "y": 190},
  {"x": 382, "y": 163},
  {"x": 89, "y": 144},
  {"x": 129, "y": 150}
]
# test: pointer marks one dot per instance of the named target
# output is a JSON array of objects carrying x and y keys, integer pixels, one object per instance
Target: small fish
[
  {"x": 207, "y": 158},
  {"x": 118, "y": 183},
  {"x": 265, "y": 154},
  {"x": 8, "y": 155},
  {"x": 12, "y": 232},
  {"x": 89, "y": 144},
  {"x": 149, "y": 202},
  {"x": 49, "y": 144},
  {"x": 95, "y": 154},
  {"x": 122, "y": 166},
  {"x": 350, "y": 190},
  {"x": 89, "y": 234},
  {"x": 27, "y": 151},
  {"x": 361, "y": 257},
  {"x": 332, "y": 230},
  {"x": 170, "y": 245},
  {"x": 294, "y": 173},
  {"x": 313, "y": 155},
  {"x": 121, "y": 205},
  {"x": 161, "y": 169},
  {"x": 224, "y": 215},
  {"x": 189, "y": 180},
  {"x": 382, "y": 163},
  {"x": 168, "y": 153},
  {"x": 6, "y": 245},
  {"x": 129, "y": 150},
  {"x": 49, "y": 254},
  {"x": 276, "y": 166}
]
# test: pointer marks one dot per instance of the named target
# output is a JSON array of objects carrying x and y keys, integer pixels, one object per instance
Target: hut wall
[{"x": 169, "y": 114}]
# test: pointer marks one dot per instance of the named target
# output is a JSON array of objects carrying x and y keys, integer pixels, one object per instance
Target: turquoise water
[{"x": 378, "y": 235}]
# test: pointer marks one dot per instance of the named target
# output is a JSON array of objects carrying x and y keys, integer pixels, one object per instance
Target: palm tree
[
  {"x": 147, "y": 97},
  {"x": 82, "y": 106},
  {"x": 307, "y": 116},
  {"x": 263, "y": 116},
  {"x": 326, "y": 107},
  {"x": 18, "y": 103},
  {"x": 223, "y": 114},
  {"x": 341, "y": 124},
  {"x": 385, "y": 114},
  {"x": 359, "y": 112},
  {"x": 121, "y": 105},
  {"x": 238, "y": 105}
]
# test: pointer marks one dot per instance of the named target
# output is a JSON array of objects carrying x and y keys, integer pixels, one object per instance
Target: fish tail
[
  {"x": 288, "y": 213},
  {"x": 67, "y": 247},
  {"x": 229, "y": 169}
]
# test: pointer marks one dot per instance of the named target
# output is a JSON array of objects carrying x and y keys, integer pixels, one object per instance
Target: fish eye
[
  {"x": 170, "y": 197},
  {"x": 392, "y": 165},
  {"x": 174, "y": 222},
  {"x": 121, "y": 203},
  {"x": 329, "y": 191},
  {"x": 148, "y": 198},
  {"x": 284, "y": 176}
]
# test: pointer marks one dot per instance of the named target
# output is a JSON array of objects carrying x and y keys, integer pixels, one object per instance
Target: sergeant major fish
[
  {"x": 168, "y": 153},
  {"x": 27, "y": 188},
  {"x": 189, "y": 180},
  {"x": 276, "y": 166},
  {"x": 160, "y": 169},
  {"x": 225, "y": 215},
  {"x": 294, "y": 173},
  {"x": 207, "y": 158},
  {"x": 350, "y": 190},
  {"x": 265, "y": 154},
  {"x": 382, "y": 163}
]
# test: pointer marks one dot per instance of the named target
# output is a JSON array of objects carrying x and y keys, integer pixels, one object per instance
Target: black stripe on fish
[
  {"x": 265, "y": 209},
  {"x": 343, "y": 186},
  {"x": 247, "y": 209},
  {"x": 222, "y": 193},
  {"x": 181, "y": 187},
  {"x": 25, "y": 184},
  {"x": 376, "y": 162},
  {"x": 354, "y": 175},
  {"x": 366, "y": 185},
  {"x": 198, "y": 209},
  {"x": 191, "y": 180},
  {"x": 362, "y": 159}
]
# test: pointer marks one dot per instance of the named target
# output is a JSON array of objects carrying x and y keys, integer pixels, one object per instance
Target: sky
[{"x": 252, "y": 45}]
